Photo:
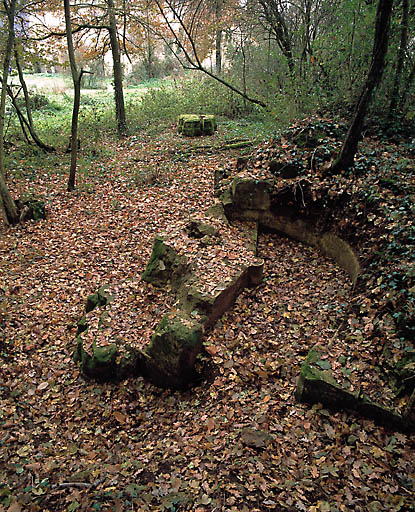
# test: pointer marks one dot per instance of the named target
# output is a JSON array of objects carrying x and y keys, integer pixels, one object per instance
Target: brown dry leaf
[
  {"x": 120, "y": 417},
  {"x": 36, "y": 466},
  {"x": 212, "y": 350},
  {"x": 210, "y": 424},
  {"x": 329, "y": 431},
  {"x": 119, "y": 506}
]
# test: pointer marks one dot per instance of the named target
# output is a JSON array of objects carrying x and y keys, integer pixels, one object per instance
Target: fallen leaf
[{"x": 120, "y": 417}]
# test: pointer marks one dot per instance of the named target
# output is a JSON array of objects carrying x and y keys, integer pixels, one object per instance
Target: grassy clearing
[{"x": 152, "y": 107}]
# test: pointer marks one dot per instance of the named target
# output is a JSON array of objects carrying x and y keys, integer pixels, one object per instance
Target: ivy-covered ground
[{"x": 238, "y": 440}]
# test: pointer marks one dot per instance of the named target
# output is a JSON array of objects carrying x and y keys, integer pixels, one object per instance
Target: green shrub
[{"x": 187, "y": 95}]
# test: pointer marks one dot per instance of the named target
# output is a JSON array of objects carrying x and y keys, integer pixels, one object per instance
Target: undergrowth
[{"x": 151, "y": 108}]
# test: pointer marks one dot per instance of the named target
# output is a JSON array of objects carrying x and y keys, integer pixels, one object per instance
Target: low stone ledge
[
  {"x": 248, "y": 199},
  {"x": 318, "y": 386},
  {"x": 327, "y": 242},
  {"x": 211, "y": 306},
  {"x": 248, "y": 194},
  {"x": 207, "y": 263}
]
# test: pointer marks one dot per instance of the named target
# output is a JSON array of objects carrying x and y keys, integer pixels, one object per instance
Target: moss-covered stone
[
  {"x": 173, "y": 350},
  {"x": 226, "y": 200},
  {"x": 208, "y": 125},
  {"x": 318, "y": 386},
  {"x": 199, "y": 229},
  {"x": 250, "y": 194},
  {"x": 193, "y": 125},
  {"x": 101, "y": 364},
  {"x": 216, "y": 211},
  {"x": 82, "y": 325},
  {"x": 165, "y": 265},
  {"x": 31, "y": 207},
  {"x": 98, "y": 299}
]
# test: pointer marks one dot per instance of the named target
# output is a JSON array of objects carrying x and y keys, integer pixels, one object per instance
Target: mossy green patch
[
  {"x": 198, "y": 229},
  {"x": 101, "y": 364},
  {"x": 82, "y": 325},
  {"x": 155, "y": 264},
  {"x": 98, "y": 299},
  {"x": 174, "y": 348},
  {"x": 165, "y": 265},
  {"x": 193, "y": 125}
]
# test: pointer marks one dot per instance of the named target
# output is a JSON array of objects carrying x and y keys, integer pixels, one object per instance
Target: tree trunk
[
  {"x": 149, "y": 56},
  {"x": 8, "y": 206},
  {"x": 401, "y": 59},
  {"x": 380, "y": 47},
  {"x": 29, "y": 123},
  {"x": 218, "y": 37},
  {"x": 407, "y": 87},
  {"x": 275, "y": 19},
  {"x": 76, "y": 77},
  {"x": 218, "y": 49},
  {"x": 118, "y": 87}
]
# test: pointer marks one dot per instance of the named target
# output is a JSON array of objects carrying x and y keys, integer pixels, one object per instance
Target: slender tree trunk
[
  {"x": 22, "y": 120},
  {"x": 116, "y": 57},
  {"x": 76, "y": 78},
  {"x": 149, "y": 57},
  {"x": 408, "y": 84},
  {"x": 276, "y": 21},
  {"x": 243, "y": 67},
  {"x": 218, "y": 50},
  {"x": 401, "y": 59},
  {"x": 8, "y": 206},
  {"x": 380, "y": 47},
  {"x": 29, "y": 123},
  {"x": 218, "y": 37}
]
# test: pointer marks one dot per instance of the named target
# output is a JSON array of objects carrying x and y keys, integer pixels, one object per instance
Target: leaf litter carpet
[{"x": 70, "y": 444}]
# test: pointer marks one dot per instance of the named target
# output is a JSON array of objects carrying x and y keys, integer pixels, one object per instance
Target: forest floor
[{"x": 68, "y": 444}]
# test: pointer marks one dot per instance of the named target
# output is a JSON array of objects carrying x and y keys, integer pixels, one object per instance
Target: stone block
[{"x": 193, "y": 125}]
